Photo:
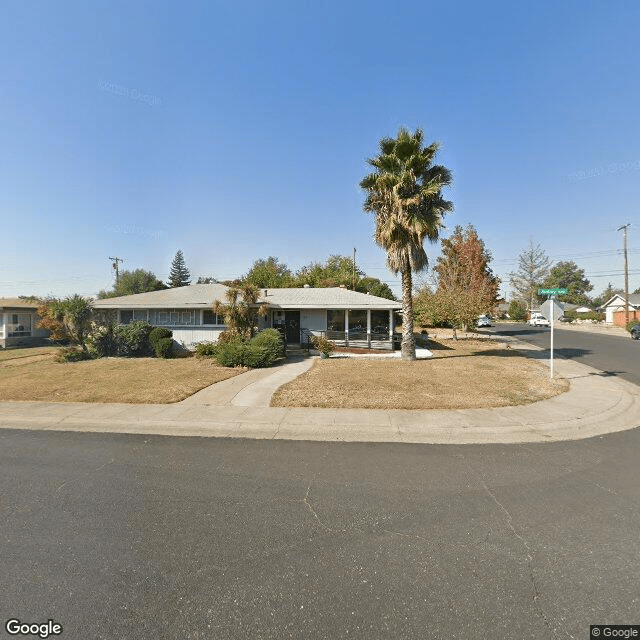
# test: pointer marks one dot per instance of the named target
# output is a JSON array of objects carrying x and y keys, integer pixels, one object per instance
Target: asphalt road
[
  {"x": 138, "y": 537},
  {"x": 616, "y": 355}
]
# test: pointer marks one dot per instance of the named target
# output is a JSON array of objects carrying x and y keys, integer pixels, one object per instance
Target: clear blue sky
[{"x": 236, "y": 130}]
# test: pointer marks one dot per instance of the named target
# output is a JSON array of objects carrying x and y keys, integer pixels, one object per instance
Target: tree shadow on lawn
[{"x": 510, "y": 353}]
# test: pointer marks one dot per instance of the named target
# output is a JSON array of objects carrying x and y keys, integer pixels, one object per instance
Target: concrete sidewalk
[{"x": 238, "y": 408}]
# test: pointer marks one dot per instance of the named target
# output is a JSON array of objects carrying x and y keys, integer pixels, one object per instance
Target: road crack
[{"x": 307, "y": 502}]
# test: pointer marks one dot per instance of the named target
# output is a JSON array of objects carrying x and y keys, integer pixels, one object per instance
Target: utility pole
[
  {"x": 626, "y": 275},
  {"x": 115, "y": 266}
]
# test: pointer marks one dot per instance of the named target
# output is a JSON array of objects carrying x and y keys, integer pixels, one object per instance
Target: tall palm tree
[{"x": 405, "y": 194}]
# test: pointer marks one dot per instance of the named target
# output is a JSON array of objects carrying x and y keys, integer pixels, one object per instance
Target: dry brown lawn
[
  {"x": 463, "y": 374},
  {"x": 20, "y": 354},
  {"x": 130, "y": 380}
]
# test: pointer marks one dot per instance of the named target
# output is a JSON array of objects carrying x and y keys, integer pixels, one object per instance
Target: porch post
[
  {"x": 391, "y": 327},
  {"x": 346, "y": 327},
  {"x": 369, "y": 328}
]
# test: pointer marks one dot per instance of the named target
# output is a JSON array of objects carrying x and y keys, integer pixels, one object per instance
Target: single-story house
[
  {"x": 343, "y": 316},
  {"x": 614, "y": 311},
  {"x": 18, "y": 323}
]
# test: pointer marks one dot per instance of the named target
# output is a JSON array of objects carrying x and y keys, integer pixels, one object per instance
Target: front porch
[{"x": 355, "y": 328}]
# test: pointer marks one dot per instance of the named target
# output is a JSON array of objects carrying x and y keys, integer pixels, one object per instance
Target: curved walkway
[{"x": 596, "y": 404}]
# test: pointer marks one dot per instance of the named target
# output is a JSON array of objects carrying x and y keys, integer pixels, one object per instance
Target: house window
[
  {"x": 358, "y": 323},
  {"x": 209, "y": 317},
  {"x": 19, "y": 326},
  {"x": 335, "y": 320},
  {"x": 140, "y": 315},
  {"x": 126, "y": 316},
  {"x": 380, "y": 324}
]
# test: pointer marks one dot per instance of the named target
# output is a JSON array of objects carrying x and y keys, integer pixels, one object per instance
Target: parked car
[
  {"x": 538, "y": 320},
  {"x": 635, "y": 332},
  {"x": 483, "y": 321}
]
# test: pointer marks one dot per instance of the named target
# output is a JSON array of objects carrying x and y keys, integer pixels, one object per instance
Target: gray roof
[
  {"x": 196, "y": 296},
  {"x": 202, "y": 296},
  {"x": 17, "y": 303},
  {"x": 324, "y": 298}
]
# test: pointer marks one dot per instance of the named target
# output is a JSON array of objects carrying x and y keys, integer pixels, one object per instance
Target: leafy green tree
[
  {"x": 206, "y": 280},
  {"x": 533, "y": 268},
  {"x": 179, "y": 275},
  {"x": 568, "y": 275},
  {"x": 375, "y": 287},
  {"x": 68, "y": 319},
  {"x": 269, "y": 273},
  {"x": 404, "y": 192},
  {"x": 607, "y": 294},
  {"x": 130, "y": 282},
  {"x": 335, "y": 271},
  {"x": 517, "y": 310}
]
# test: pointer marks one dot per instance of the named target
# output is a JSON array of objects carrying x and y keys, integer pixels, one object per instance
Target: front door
[{"x": 292, "y": 326}]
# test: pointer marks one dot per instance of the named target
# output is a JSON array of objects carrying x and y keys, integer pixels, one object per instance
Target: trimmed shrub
[
  {"x": 206, "y": 349},
  {"x": 161, "y": 341},
  {"x": 158, "y": 333},
  {"x": 163, "y": 348},
  {"x": 231, "y": 354},
  {"x": 133, "y": 339},
  {"x": 102, "y": 342},
  {"x": 72, "y": 354},
  {"x": 271, "y": 341}
]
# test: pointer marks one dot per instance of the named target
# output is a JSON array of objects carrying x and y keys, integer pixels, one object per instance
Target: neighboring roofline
[{"x": 621, "y": 296}]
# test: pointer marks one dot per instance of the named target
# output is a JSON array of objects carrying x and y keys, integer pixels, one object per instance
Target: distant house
[
  {"x": 18, "y": 320},
  {"x": 343, "y": 316},
  {"x": 614, "y": 311}
]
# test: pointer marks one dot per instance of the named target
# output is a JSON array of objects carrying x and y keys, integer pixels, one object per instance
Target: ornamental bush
[
  {"x": 231, "y": 354},
  {"x": 631, "y": 324},
  {"x": 161, "y": 341},
  {"x": 102, "y": 341},
  {"x": 324, "y": 346},
  {"x": 271, "y": 341},
  {"x": 158, "y": 333},
  {"x": 236, "y": 351},
  {"x": 206, "y": 349},
  {"x": 163, "y": 348},
  {"x": 133, "y": 339},
  {"x": 72, "y": 354}
]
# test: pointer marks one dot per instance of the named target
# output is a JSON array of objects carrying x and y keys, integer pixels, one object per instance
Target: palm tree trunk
[{"x": 408, "y": 348}]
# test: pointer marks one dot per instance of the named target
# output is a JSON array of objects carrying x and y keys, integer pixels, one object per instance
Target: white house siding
[
  {"x": 315, "y": 320},
  {"x": 190, "y": 337}
]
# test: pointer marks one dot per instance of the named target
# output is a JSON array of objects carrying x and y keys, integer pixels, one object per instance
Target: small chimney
[{"x": 266, "y": 293}]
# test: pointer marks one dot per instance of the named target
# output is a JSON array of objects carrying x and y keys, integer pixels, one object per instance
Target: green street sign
[{"x": 552, "y": 292}]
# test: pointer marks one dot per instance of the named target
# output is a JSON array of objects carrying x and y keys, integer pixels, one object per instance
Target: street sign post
[
  {"x": 552, "y": 292},
  {"x": 552, "y": 310}
]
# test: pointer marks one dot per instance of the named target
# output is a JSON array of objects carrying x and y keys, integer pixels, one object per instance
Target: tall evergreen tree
[
  {"x": 179, "y": 275},
  {"x": 404, "y": 192}
]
